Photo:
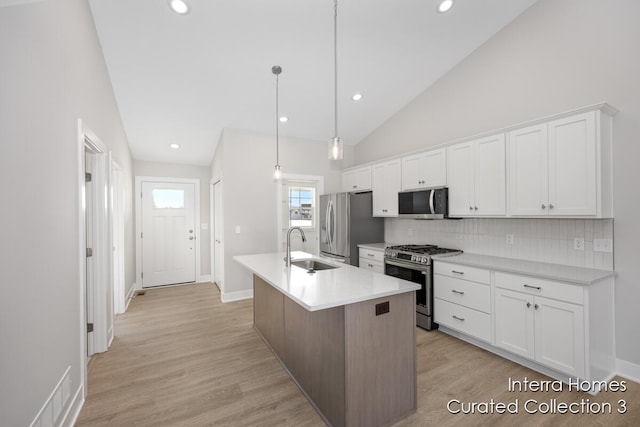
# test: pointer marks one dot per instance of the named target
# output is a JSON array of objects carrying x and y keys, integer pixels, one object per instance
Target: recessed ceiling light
[
  {"x": 284, "y": 119},
  {"x": 174, "y": 146},
  {"x": 357, "y": 96},
  {"x": 179, "y": 6},
  {"x": 445, "y": 6}
]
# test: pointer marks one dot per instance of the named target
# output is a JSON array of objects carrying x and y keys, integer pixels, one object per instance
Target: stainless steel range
[{"x": 413, "y": 263}]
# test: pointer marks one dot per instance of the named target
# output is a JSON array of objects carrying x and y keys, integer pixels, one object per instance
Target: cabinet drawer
[
  {"x": 371, "y": 254},
  {"x": 368, "y": 264},
  {"x": 463, "y": 319},
  {"x": 462, "y": 272},
  {"x": 546, "y": 288},
  {"x": 469, "y": 294}
]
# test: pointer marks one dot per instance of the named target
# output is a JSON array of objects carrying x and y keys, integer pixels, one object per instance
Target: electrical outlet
[
  {"x": 509, "y": 239},
  {"x": 602, "y": 245},
  {"x": 578, "y": 244}
]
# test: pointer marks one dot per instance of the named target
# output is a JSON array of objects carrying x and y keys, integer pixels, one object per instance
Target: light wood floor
[{"x": 182, "y": 358}]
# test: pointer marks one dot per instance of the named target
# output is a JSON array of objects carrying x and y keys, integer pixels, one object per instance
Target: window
[
  {"x": 168, "y": 198},
  {"x": 301, "y": 201}
]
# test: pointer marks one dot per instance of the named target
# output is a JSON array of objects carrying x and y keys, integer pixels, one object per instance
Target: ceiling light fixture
[
  {"x": 277, "y": 173},
  {"x": 174, "y": 146},
  {"x": 336, "y": 146},
  {"x": 179, "y": 6},
  {"x": 357, "y": 96},
  {"x": 445, "y": 6},
  {"x": 284, "y": 119}
]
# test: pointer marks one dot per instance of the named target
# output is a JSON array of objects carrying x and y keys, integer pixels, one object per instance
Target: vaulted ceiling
[{"x": 184, "y": 78}]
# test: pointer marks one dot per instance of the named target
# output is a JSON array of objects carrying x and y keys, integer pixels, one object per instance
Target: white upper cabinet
[
  {"x": 477, "y": 177},
  {"x": 385, "y": 183},
  {"x": 357, "y": 179},
  {"x": 562, "y": 167},
  {"x": 425, "y": 170}
]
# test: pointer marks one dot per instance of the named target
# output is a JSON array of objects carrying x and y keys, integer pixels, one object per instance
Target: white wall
[
  {"x": 202, "y": 173},
  {"x": 249, "y": 191},
  {"x": 52, "y": 73},
  {"x": 558, "y": 55}
]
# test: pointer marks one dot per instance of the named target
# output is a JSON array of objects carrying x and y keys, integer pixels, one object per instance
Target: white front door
[{"x": 168, "y": 233}]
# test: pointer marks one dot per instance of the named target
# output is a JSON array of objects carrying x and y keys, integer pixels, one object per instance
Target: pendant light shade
[
  {"x": 277, "y": 172},
  {"x": 335, "y": 143}
]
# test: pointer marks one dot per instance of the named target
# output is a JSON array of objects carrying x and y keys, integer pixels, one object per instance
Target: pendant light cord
[
  {"x": 335, "y": 65},
  {"x": 277, "y": 127}
]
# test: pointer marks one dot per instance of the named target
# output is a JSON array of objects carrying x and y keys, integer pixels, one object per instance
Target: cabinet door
[
  {"x": 490, "y": 176},
  {"x": 348, "y": 181},
  {"x": 528, "y": 171},
  {"x": 385, "y": 183},
  {"x": 362, "y": 179},
  {"x": 572, "y": 165},
  {"x": 514, "y": 320},
  {"x": 435, "y": 168},
  {"x": 412, "y": 176},
  {"x": 460, "y": 179},
  {"x": 559, "y": 336}
]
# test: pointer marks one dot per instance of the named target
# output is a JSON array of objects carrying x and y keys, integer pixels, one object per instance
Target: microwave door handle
[{"x": 433, "y": 192}]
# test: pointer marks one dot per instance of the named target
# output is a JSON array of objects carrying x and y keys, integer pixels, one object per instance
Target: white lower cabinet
[
  {"x": 558, "y": 328},
  {"x": 462, "y": 299},
  {"x": 371, "y": 259},
  {"x": 545, "y": 330}
]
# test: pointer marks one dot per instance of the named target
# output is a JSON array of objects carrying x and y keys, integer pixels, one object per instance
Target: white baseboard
[
  {"x": 204, "y": 278},
  {"x": 132, "y": 290},
  {"x": 72, "y": 414},
  {"x": 236, "y": 296},
  {"x": 628, "y": 370}
]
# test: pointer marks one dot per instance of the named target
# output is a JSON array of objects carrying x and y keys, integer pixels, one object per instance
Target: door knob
[{"x": 190, "y": 237}]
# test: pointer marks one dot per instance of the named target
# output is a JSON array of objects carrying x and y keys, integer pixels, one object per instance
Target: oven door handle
[{"x": 423, "y": 269}]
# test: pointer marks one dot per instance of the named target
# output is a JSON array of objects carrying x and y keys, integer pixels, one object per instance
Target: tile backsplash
[{"x": 543, "y": 240}]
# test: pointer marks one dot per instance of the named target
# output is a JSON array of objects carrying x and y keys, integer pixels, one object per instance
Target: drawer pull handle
[
  {"x": 457, "y": 292},
  {"x": 536, "y": 306},
  {"x": 457, "y": 272},
  {"x": 533, "y": 287},
  {"x": 370, "y": 255},
  {"x": 458, "y": 318},
  {"x": 370, "y": 265},
  {"x": 528, "y": 304}
]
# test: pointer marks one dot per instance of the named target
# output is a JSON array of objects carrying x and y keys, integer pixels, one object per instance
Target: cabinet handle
[
  {"x": 475, "y": 208},
  {"x": 458, "y": 318},
  {"x": 370, "y": 265},
  {"x": 538, "y": 288},
  {"x": 355, "y": 186},
  {"x": 528, "y": 304},
  {"x": 457, "y": 272},
  {"x": 536, "y": 306},
  {"x": 550, "y": 206},
  {"x": 370, "y": 255},
  {"x": 470, "y": 208},
  {"x": 544, "y": 206},
  {"x": 457, "y": 292}
]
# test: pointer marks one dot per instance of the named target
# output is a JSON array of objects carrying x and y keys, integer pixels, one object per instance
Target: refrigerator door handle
[
  {"x": 326, "y": 223},
  {"x": 330, "y": 217}
]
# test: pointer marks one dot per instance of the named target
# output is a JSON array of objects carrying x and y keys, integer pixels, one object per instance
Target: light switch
[
  {"x": 237, "y": 229},
  {"x": 204, "y": 226}
]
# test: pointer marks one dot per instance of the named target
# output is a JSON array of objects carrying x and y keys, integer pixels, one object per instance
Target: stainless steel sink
[{"x": 312, "y": 265}]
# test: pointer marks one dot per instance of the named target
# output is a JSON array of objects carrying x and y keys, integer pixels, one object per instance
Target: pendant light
[
  {"x": 277, "y": 173},
  {"x": 335, "y": 143}
]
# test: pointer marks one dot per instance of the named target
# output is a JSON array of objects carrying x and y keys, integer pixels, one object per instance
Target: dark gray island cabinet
[{"x": 355, "y": 362}]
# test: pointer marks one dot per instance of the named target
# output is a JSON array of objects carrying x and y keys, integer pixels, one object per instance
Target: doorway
[
  {"x": 167, "y": 215},
  {"x": 94, "y": 246},
  {"x": 217, "y": 242}
]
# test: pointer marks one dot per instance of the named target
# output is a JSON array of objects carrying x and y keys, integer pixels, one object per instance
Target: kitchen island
[{"x": 345, "y": 335}]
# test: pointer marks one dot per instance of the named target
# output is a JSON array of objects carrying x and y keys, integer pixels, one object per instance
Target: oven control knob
[
  {"x": 413, "y": 257},
  {"x": 423, "y": 260}
]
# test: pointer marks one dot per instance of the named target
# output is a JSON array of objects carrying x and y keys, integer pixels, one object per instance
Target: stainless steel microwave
[{"x": 424, "y": 204}]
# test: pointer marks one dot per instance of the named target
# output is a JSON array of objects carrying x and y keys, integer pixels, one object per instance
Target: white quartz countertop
[
  {"x": 325, "y": 288},
  {"x": 563, "y": 273},
  {"x": 374, "y": 246}
]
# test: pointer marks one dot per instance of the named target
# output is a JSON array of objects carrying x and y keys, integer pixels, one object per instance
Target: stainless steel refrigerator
[{"x": 346, "y": 220}]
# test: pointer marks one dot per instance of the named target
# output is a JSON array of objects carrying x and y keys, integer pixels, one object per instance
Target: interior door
[
  {"x": 218, "y": 248},
  {"x": 89, "y": 264},
  {"x": 168, "y": 233}
]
